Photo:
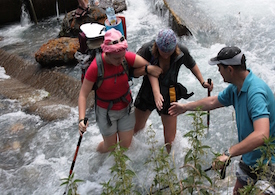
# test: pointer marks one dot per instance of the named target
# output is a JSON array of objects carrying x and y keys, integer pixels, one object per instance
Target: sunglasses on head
[{"x": 117, "y": 41}]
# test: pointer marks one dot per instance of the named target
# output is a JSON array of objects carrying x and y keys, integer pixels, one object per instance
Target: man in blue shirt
[{"x": 254, "y": 105}]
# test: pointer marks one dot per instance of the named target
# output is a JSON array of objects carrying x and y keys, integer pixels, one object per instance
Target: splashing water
[
  {"x": 25, "y": 16},
  {"x": 36, "y": 154}
]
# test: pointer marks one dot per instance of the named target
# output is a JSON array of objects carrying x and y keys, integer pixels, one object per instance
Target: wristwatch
[{"x": 146, "y": 70}]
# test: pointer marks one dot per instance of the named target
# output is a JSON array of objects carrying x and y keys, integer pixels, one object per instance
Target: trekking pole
[
  {"x": 75, "y": 155},
  {"x": 208, "y": 112},
  {"x": 223, "y": 171},
  {"x": 208, "y": 169}
]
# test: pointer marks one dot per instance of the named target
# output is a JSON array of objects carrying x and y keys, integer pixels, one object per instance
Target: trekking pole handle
[
  {"x": 208, "y": 112},
  {"x": 209, "y": 82},
  {"x": 85, "y": 122},
  {"x": 80, "y": 137}
]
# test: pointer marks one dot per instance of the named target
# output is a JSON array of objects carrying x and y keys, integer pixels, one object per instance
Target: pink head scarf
[{"x": 114, "y": 42}]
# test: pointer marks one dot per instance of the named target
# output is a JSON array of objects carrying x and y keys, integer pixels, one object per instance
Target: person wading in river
[
  {"x": 254, "y": 105},
  {"x": 114, "y": 109},
  {"x": 166, "y": 53}
]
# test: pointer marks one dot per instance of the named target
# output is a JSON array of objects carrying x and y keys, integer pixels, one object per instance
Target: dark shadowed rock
[{"x": 70, "y": 26}]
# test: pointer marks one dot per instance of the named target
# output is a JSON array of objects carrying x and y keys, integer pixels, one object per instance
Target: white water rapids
[{"x": 36, "y": 154}]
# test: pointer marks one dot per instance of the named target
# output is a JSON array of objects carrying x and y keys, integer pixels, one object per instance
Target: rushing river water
[{"x": 36, "y": 154}]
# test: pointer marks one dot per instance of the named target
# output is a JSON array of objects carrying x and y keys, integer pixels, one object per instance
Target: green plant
[
  {"x": 263, "y": 170},
  {"x": 166, "y": 180},
  {"x": 163, "y": 167},
  {"x": 71, "y": 184},
  {"x": 122, "y": 178},
  {"x": 195, "y": 182}
]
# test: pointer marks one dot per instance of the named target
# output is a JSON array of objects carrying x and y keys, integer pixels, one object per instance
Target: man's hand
[
  {"x": 220, "y": 162},
  {"x": 154, "y": 70},
  {"x": 176, "y": 109}
]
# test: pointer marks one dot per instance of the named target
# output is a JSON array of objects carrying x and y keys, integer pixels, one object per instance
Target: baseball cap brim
[{"x": 236, "y": 60}]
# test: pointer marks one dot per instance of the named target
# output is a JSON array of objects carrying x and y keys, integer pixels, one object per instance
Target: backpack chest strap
[{"x": 113, "y": 101}]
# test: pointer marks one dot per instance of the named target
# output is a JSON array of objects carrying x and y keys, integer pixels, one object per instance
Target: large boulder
[
  {"x": 57, "y": 51},
  {"x": 70, "y": 26}
]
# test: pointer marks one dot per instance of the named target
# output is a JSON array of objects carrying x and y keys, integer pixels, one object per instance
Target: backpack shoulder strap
[
  {"x": 125, "y": 66},
  {"x": 129, "y": 72},
  {"x": 100, "y": 70}
]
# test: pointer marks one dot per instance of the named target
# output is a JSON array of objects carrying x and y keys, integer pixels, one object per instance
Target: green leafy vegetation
[
  {"x": 166, "y": 179},
  {"x": 71, "y": 184}
]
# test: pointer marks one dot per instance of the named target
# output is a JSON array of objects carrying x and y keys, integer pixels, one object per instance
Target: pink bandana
[{"x": 114, "y": 41}]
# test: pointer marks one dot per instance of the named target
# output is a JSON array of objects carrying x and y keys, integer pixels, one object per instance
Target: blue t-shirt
[{"x": 254, "y": 101}]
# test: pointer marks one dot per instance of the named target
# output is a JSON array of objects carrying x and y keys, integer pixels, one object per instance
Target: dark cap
[{"x": 228, "y": 56}]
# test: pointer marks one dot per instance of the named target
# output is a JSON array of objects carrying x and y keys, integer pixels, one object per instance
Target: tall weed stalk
[
  {"x": 163, "y": 167},
  {"x": 121, "y": 183},
  {"x": 264, "y": 170},
  {"x": 195, "y": 182}
]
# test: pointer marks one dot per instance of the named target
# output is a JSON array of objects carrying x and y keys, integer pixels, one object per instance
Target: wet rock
[
  {"x": 70, "y": 26},
  {"x": 50, "y": 110},
  {"x": 16, "y": 145},
  {"x": 17, "y": 127},
  {"x": 176, "y": 23},
  {"x": 119, "y": 5},
  {"x": 49, "y": 94},
  {"x": 57, "y": 51},
  {"x": 62, "y": 50},
  {"x": 32, "y": 101}
]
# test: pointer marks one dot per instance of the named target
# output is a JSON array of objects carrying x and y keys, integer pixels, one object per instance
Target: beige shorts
[{"x": 122, "y": 120}]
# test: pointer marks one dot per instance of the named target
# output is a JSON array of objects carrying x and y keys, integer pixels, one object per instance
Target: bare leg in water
[
  {"x": 169, "y": 125},
  {"x": 169, "y": 130},
  {"x": 125, "y": 139},
  {"x": 141, "y": 119}
]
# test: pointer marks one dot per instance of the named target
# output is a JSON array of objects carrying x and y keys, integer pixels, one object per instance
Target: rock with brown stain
[{"x": 57, "y": 51}]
